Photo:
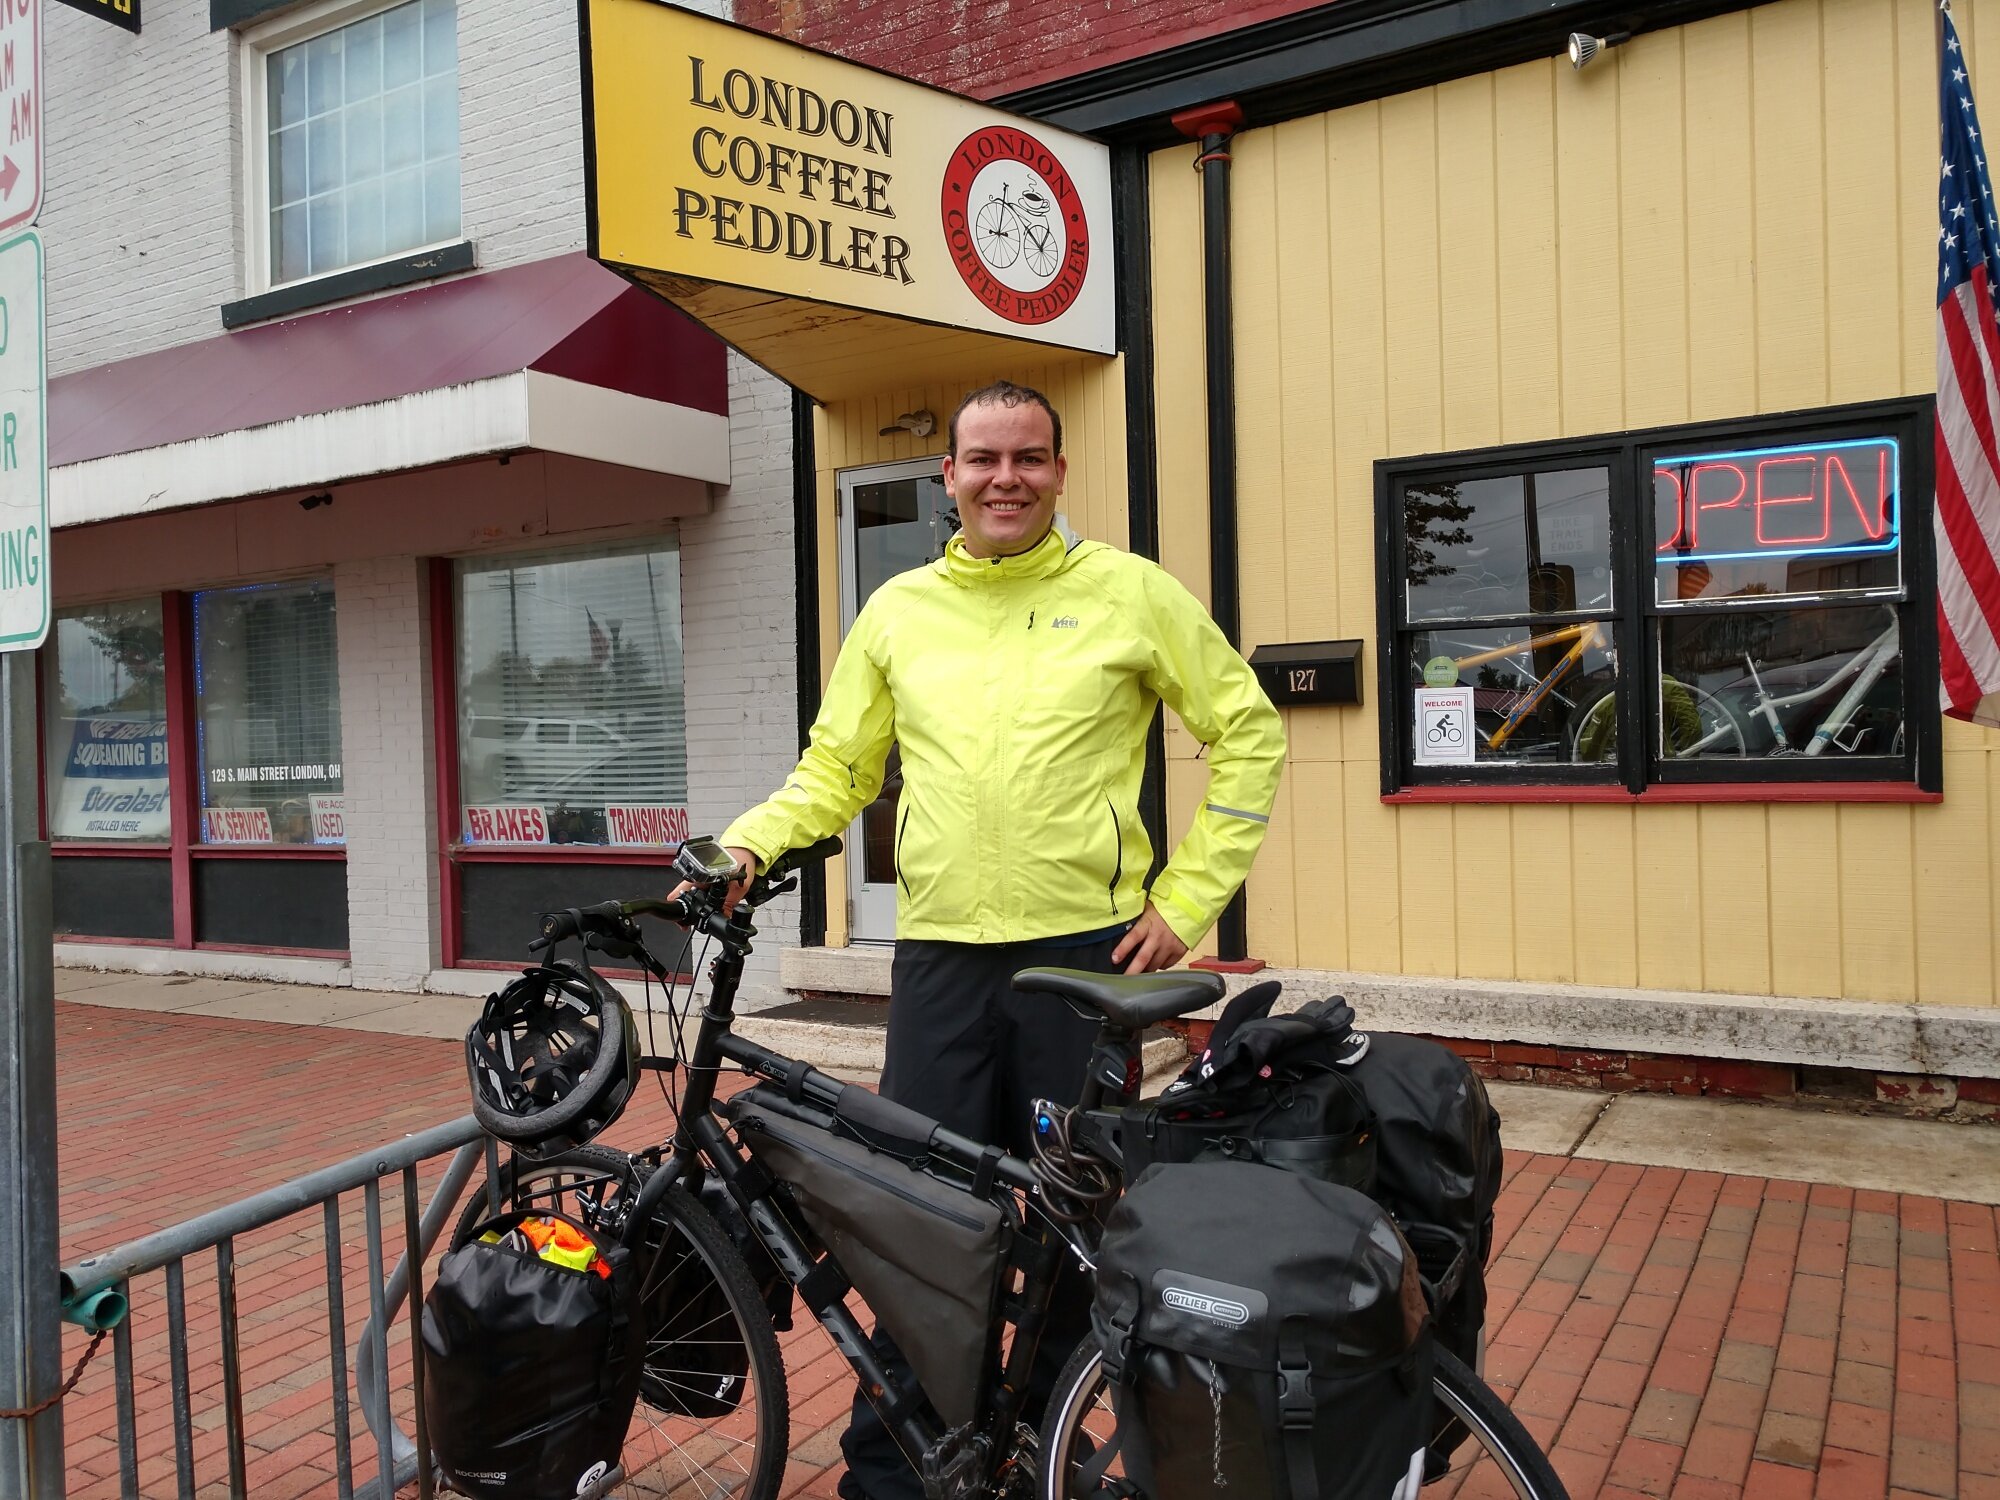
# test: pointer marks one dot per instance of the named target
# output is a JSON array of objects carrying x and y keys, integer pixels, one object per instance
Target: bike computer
[{"x": 705, "y": 862}]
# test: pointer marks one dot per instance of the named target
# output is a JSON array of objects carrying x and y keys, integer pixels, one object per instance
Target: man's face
[{"x": 1005, "y": 478}]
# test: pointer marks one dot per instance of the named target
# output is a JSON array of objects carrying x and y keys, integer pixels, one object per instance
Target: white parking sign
[
  {"x": 1444, "y": 727},
  {"x": 24, "y": 466}
]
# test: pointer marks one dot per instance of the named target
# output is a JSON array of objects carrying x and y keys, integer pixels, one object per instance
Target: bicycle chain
[{"x": 26, "y": 1413}]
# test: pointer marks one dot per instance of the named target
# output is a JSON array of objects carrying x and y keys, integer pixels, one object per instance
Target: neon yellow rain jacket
[{"x": 1020, "y": 690}]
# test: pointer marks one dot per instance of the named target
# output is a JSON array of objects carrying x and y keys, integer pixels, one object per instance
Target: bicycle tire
[
  {"x": 678, "y": 1453},
  {"x": 1497, "y": 1447},
  {"x": 1589, "y": 741}
]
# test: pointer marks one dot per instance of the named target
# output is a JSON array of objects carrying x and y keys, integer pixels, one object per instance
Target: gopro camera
[{"x": 705, "y": 862}]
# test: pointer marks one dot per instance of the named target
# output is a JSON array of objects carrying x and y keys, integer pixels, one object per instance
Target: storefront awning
[{"x": 559, "y": 355}]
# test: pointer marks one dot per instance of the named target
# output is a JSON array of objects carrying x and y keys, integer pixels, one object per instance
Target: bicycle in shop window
[
  {"x": 1843, "y": 703},
  {"x": 728, "y": 1238}
]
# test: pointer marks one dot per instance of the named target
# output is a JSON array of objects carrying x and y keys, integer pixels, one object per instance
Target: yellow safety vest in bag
[{"x": 1020, "y": 690}]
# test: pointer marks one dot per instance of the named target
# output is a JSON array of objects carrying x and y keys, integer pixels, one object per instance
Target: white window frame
[{"x": 257, "y": 43}]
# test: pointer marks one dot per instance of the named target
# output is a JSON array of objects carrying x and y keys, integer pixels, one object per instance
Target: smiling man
[{"x": 1020, "y": 674}]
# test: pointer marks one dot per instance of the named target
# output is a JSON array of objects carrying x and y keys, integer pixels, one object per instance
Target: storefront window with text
[
  {"x": 1729, "y": 604},
  {"x": 570, "y": 721},
  {"x": 267, "y": 696},
  {"x": 105, "y": 711}
]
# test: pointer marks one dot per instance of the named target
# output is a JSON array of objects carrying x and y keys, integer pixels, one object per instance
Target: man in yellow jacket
[{"x": 1019, "y": 674}]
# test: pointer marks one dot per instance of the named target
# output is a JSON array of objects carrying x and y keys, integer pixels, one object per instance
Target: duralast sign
[{"x": 731, "y": 157}]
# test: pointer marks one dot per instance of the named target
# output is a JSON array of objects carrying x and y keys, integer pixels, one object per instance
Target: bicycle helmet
[{"x": 553, "y": 1058}]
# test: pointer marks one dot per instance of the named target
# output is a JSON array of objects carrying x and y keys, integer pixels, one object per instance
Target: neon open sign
[{"x": 1777, "y": 502}]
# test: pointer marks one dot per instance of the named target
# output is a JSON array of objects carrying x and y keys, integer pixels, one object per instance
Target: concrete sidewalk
[{"x": 1665, "y": 1328}]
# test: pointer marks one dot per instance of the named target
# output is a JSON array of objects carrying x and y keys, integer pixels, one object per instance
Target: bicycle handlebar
[{"x": 610, "y": 922}]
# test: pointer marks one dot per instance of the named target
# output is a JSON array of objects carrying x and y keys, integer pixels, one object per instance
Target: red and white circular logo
[{"x": 1014, "y": 225}]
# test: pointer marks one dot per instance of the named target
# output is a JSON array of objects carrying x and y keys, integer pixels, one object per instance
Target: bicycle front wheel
[
  {"x": 1498, "y": 1458},
  {"x": 713, "y": 1421}
]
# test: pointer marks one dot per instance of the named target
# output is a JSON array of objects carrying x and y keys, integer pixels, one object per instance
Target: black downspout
[
  {"x": 1132, "y": 249},
  {"x": 805, "y": 571},
  {"x": 1213, "y": 125}
]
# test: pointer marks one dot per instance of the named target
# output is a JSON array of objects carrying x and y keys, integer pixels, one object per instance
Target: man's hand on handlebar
[
  {"x": 738, "y": 888},
  {"x": 1149, "y": 944}
]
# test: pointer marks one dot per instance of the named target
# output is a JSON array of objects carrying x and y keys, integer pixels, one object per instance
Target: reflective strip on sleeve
[{"x": 1237, "y": 812}]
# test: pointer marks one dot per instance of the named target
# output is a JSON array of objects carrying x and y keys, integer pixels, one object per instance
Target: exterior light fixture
[
  {"x": 1583, "y": 46},
  {"x": 919, "y": 424}
]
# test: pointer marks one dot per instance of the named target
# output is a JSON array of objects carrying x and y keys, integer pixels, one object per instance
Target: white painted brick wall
[
  {"x": 144, "y": 230},
  {"x": 381, "y": 620},
  {"x": 738, "y": 619},
  {"x": 143, "y": 215}
]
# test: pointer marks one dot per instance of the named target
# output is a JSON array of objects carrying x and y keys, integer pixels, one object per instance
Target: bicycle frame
[
  {"x": 701, "y": 1142},
  {"x": 1585, "y": 635},
  {"x": 1866, "y": 666}
]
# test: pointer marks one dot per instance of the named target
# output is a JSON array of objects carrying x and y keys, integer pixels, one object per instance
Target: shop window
[
  {"x": 1723, "y": 604},
  {"x": 569, "y": 695},
  {"x": 104, "y": 694},
  {"x": 267, "y": 694},
  {"x": 358, "y": 133}
]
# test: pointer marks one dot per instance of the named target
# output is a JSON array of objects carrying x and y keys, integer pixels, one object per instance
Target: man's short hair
[{"x": 1003, "y": 393}]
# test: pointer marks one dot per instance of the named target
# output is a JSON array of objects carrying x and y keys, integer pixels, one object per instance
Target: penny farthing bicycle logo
[{"x": 1015, "y": 225}]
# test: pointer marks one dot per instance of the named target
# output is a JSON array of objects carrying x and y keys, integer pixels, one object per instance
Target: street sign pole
[
  {"x": 31, "y": 1449},
  {"x": 31, "y": 1452}
]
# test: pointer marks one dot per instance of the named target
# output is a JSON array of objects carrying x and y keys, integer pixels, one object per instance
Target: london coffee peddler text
[{"x": 734, "y": 156}]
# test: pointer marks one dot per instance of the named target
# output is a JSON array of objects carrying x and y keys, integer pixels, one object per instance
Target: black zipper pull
[{"x": 1031, "y": 619}]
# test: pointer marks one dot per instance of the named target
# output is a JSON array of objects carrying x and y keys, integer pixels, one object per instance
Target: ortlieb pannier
[
  {"x": 1437, "y": 1169},
  {"x": 531, "y": 1364},
  {"x": 925, "y": 1254},
  {"x": 1426, "y": 1145},
  {"x": 1265, "y": 1337}
]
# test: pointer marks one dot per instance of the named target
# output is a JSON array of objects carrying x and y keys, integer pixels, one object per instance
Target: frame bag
[
  {"x": 531, "y": 1366},
  {"x": 925, "y": 1254},
  {"x": 1265, "y": 1337}
]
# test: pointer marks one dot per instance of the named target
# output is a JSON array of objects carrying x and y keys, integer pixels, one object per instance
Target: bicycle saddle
[{"x": 1134, "y": 1001}]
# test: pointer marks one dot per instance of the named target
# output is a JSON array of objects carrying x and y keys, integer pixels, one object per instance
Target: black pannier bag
[
  {"x": 926, "y": 1255},
  {"x": 1271, "y": 1089},
  {"x": 1266, "y": 1338},
  {"x": 531, "y": 1368},
  {"x": 1437, "y": 1169}
]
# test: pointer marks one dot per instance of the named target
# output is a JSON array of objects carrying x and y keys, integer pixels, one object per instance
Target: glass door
[{"x": 893, "y": 517}]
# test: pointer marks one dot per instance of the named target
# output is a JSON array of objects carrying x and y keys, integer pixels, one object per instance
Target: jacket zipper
[
  {"x": 1118, "y": 844},
  {"x": 901, "y": 829}
]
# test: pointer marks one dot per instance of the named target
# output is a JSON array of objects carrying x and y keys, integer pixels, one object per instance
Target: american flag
[{"x": 1968, "y": 405}]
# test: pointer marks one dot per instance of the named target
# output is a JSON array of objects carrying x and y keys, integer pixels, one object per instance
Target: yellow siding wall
[
  {"x": 1090, "y": 394},
  {"x": 1733, "y": 217}
]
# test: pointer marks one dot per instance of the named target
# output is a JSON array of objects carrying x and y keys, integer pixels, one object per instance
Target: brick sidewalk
[{"x": 1668, "y": 1333}]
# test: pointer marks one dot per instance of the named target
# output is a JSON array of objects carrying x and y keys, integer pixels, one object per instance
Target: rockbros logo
[
  {"x": 1215, "y": 1309},
  {"x": 1015, "y": 225}
]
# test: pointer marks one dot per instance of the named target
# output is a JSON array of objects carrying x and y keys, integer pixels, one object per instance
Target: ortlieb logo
[{"x": 1215, "y": 1309}]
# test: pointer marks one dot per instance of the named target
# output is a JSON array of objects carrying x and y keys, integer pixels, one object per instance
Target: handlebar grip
[
  {"x": 858, "y": 1107},
  {"x": 654, "y": 906},
  {"x": 791, "y": 859}
]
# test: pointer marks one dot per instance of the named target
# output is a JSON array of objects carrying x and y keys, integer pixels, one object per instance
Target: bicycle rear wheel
[
  {"x": 713, "y": 1421},
  {"x": 1498, "y": 1458}
]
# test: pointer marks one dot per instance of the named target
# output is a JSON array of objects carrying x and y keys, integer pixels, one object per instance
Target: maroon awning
[{"x": 566, "y": 317}]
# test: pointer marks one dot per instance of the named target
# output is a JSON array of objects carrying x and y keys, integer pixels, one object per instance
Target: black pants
[{"x": 967, "y": 1050}]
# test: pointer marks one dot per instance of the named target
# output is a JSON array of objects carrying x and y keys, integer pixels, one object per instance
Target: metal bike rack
[{"x": 168, "y": 1250}]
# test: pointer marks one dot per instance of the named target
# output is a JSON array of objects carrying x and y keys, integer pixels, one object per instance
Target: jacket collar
[{"x": 1042, "y": 560}]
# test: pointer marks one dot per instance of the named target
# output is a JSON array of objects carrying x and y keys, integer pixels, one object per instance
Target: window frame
[
  {"x": 255, "y": 45},
  {"x": 1635, "y": 622}
]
